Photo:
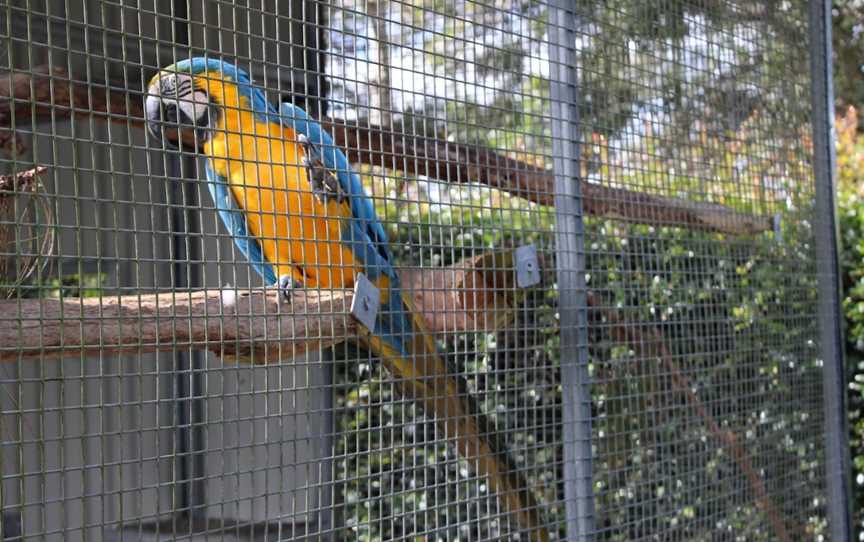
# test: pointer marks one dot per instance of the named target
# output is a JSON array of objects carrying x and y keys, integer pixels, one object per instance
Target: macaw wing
[
  {"x": 235, "y": 222},
  {"x": 367, "y": 236}
]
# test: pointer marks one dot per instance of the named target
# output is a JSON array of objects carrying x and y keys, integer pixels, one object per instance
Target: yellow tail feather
[{"x": 426, "y": 379}]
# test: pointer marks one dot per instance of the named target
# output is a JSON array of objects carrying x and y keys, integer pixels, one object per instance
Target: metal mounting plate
[
  {"x": 527, "y": 266},
  {"x": 366, "y": 301}
]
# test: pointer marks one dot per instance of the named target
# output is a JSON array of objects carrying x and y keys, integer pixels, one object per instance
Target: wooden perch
[
  {"x": 45, "y": 94},
  {"x": 476, "y": 294},
  {"x": 641, "y": 208},
  {"x": 50, "y": 328}
]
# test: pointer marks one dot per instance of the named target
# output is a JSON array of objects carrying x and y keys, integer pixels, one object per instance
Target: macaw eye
[
  {"x": 177, "y": 85},
  {"x": 194, "y": 106}
]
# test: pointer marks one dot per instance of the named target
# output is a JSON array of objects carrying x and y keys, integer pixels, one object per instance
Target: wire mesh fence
[{"x": 370, "y": 270}]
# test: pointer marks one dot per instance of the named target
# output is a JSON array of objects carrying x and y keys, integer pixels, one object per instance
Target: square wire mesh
[{"x": 155, "y": 388}]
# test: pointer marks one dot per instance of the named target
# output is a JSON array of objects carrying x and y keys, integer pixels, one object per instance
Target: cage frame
[{"x": 575, "y": 199}]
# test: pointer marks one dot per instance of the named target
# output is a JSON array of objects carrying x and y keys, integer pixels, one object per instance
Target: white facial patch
[{"x": 194, "y": 105}]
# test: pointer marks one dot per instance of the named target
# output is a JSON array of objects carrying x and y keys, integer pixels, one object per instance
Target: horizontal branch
[
  {"x": 44, "y": 94},
  {"x": 642, "y": 208},
  {"x": 476, "y": 294},
  {"x": 455, "y": 162},
  {"x": 252, "y": 324}
]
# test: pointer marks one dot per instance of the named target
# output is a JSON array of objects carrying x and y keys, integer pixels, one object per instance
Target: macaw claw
[
  {"x": 286, "y": 285},
  {"x": 324, "y": 183}
]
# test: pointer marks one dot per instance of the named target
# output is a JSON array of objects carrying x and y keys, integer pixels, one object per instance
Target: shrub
[{"x": 850, "y": 168}]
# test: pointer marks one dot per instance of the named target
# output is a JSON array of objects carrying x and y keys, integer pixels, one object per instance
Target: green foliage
[
  {"x": 84, "y": 285},
  {"x": 735, "y": 315},
  {"x": 648, "y": 35},
  {"x": 397, "y": 478},
  {"x": 725, "y": 312},
  {"x": 72, "y": 285},
  {"x": 848, "y": 49},
  {"x": 850, "y": 162}
]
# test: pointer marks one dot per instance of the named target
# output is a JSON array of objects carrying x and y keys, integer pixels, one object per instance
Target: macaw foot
[
  {"x": 325, "y": 185},
  {"x": 286, "y": 285}
]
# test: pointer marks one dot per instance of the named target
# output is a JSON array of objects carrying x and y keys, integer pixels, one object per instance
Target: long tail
[{"x": 409, "y": 353}]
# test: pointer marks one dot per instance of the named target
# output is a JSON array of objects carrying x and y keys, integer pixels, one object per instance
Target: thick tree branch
[
  {"x": 419, "y": 155},
  {"x": 43, "y": 95},
  {"x": 476, "y": 294}
]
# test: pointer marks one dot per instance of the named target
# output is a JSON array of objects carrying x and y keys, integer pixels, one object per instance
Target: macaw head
[{"x": 186, "y": 101}]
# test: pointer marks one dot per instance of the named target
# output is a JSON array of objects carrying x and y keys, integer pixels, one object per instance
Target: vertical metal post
[
  {"x": 189, "y": 366},
  {"x": 825, "y": 224},
  {"x": 570, "y": 243}
]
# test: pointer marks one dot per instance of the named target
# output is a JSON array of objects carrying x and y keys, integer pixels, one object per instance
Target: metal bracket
[
  {"x": 365, "y": 303},
  {"x": 527, "y": 266}
]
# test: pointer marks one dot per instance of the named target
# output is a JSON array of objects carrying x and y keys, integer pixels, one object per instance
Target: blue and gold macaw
[{"x": 299, "y": 214}]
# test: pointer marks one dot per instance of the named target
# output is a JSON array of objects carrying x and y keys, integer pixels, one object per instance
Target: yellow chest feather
[{"x": 299, "y": 233}]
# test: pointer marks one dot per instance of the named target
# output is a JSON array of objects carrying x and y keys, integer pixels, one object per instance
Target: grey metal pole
[
  {"x": 570, "y": 258},
  {"x": 827, "y": 252}
]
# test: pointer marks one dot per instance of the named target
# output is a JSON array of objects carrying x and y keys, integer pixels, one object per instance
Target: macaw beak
[{"x": 167, "y": 120}]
